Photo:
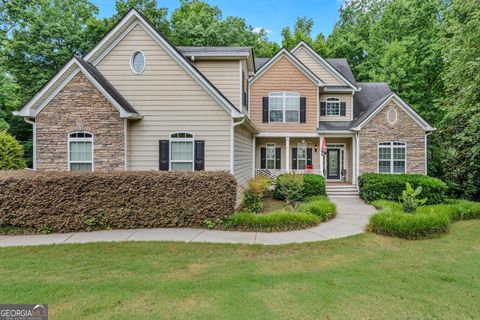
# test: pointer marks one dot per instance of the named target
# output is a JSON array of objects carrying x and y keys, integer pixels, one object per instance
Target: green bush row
[
  {"x": 274, "y": 221},
  {"x": 299, "y": 186},
  {"x": 424, "y": 222},
  {"x": 377, "y": 186}
]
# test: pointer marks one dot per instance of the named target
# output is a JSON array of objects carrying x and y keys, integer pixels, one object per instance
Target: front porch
[{"x": 277, "y": 155}]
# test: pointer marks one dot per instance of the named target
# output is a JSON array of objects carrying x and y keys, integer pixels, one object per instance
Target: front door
[{"x": 333, "y": 163}]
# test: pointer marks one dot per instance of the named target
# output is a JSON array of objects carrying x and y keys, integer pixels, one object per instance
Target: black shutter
[
  {"x": 323, "y": 109},
  {"x": 294, "y": 158},
  {"x": 265, "y": 109},
  {"x": 164, "y": 155},
  {"x": 199, "y": 155},
  {"x": 309, "y": 156},
  {"x": 278, "y": 158},
  {"x": 343, "y": 109},
  {"x": 263, "y": 158},
  {"x": 303, "y": 109}
]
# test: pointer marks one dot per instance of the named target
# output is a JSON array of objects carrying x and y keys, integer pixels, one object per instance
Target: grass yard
[{"x": 362, "y": 277}]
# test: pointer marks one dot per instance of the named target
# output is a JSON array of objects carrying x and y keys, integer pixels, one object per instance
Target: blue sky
[{"x": 272, "y": 15}]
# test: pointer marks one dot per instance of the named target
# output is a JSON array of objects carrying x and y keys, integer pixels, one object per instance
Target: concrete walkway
[{"x": 352, "y": 217}]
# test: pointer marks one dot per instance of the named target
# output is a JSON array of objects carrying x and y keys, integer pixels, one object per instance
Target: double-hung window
[
  {"x": 391, "y": 157},
  {"x": 270, "y": 155},
  {"x": 80, "y": 151},
  {"x": 181, "y": 151},
  {"x": 333, "y": 107},
  {"x": 284, "y": 107},
  {"x": 301, "y": 156}
]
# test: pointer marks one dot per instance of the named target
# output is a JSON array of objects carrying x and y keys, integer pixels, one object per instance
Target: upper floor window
[
  {"x": 181, "y": 151},
  {"x": 391, "y": 157},
  {"x": 284, "y": 107},
  {"x": 333, "y": 107},
  {"x": 137, "y": 62},
  {"x": 244, "y": 91},
  {"x": 80, "y": 151}
]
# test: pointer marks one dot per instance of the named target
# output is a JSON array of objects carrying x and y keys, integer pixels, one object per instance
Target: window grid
[
  {"x": 301, "y": 156},
  {"x": 80, "y": 151},
  {"x": 270, "y": 156},
  {"x": 333, "y": 107},
  {"x": 181, "y": 151},
  {"x": 391, "y": 157},
  {"x": 284, "y": 107}
]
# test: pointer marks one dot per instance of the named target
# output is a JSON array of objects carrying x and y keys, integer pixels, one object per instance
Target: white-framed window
[
  {"x": 181, "y": 151},
  {"x": 284, "y": 107},
  {"x": 333, "y": 107},
  {"x": 391, "y": 157},
  {"x": 301, "y": 156},
  {"x": 80, "y": 151},
  {"x": 138, "y": 62},
  {"x": 270, "y": 156}
]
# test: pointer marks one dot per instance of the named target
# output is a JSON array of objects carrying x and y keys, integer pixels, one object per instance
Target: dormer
[{"x": 228, "y": 68}]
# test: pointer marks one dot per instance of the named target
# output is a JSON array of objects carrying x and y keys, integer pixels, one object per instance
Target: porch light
[{"x": 316, "y": 147}]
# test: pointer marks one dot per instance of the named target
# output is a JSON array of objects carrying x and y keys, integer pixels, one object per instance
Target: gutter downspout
[
  {"x": 232, "y": 142},
  {"x": 34, "y": 140}
]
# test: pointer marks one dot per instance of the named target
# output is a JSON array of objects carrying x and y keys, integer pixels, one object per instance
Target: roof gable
[
  {"x": 131, "y": 19},
  {"x": 327, "y": 66},
  {"x": 64, "y": 76},
  {"x": 382, "y": 103},
  {"x": 292, "y": 59}
]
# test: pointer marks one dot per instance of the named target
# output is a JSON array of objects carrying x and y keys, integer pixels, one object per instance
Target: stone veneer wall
[
  {"x": 405, "y": 130},
  {"x": 79, "y": 106}
]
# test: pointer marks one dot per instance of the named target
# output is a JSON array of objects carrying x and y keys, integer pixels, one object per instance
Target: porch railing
[{"x": 272, "y": 174}]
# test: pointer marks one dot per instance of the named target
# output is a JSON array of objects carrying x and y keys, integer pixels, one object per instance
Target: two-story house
[{"x": 137, "y": 102}]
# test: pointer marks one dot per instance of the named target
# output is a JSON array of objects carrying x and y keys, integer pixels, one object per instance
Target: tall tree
[{"x": 461, "y": 102}]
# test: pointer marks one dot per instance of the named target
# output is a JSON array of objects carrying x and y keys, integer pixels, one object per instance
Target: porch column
[
  {"x": 354, "y": 160},
  {"x": 321, "y": 156},
  {"x": 287, "y": 153}
]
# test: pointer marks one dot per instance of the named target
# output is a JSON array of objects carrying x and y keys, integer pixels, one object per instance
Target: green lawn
[{"x": 362, "y": 277}]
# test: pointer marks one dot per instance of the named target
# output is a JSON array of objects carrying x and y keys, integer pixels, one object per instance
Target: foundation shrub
[{"x": 67, "y": 201}]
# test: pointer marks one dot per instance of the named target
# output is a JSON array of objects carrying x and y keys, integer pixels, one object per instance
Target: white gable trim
[
  {"x": 294, "y": 60},
  {"x": 29, "y": 112},
  {"x": 170, "y": 49},
  {"x": 324, "y": 63},
  {"x": 404, "y": 106}
]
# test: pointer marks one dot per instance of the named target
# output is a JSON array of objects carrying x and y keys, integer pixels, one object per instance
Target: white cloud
[{"x": 258, "y": 29}]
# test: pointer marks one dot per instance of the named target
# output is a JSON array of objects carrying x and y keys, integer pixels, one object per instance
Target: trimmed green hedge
[
  {"x": 274, "y": 221},
  {"x": 378, "y": 186},
  {"x": 313, "y": 185}
]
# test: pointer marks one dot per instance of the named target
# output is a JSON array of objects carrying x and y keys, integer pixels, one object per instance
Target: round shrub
[
  {"x": 378, "y": 186},
  {"x": 253, "y": 197},
  {"x": 289, "y": 187},
  {"x": 321, "y": 207},
  {"x": 11, "y": 153},
  {"x": 418, "y": 225},
  {"x": 313, "y": 185},
  {"x": 274, "y": 221}
]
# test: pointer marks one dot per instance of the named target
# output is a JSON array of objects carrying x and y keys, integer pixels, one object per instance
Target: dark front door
[{"x": 333, "y": 163}]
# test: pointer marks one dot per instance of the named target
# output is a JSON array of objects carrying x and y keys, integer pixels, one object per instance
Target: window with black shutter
[{"x": 199, "y": 155}]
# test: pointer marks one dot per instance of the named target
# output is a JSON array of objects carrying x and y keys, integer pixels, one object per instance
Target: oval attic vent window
[
  {"x": 392, "y": 116},
  {"x": 137, "y": 62}
]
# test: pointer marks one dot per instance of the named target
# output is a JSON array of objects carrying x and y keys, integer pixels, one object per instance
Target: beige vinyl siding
[
  {"x": 225, "y": 75},
  {"x": 169, "y": 99},
  {"x": 316, "y": 67},
  {"x": 344, "y": 97},
  {"x": 243, "y": 156}
]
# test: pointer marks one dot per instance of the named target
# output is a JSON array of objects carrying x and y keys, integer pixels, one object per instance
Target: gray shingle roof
[
  {"x": 334, "y": 125},
  {"x": 259, "y": 62},
  {"x": 342, "y": 66},
  {"x": 369, "y": 99},
  {"x": 107, "y": 86},
  {"x": 187, "y": 51}
]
